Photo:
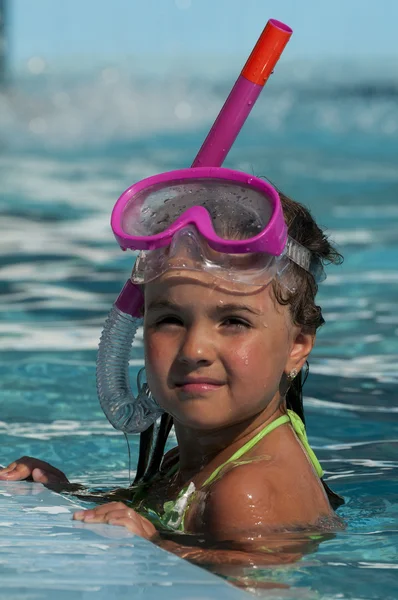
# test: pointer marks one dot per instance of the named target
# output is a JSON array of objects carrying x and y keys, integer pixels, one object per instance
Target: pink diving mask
[{"x": 227, "y": 223}]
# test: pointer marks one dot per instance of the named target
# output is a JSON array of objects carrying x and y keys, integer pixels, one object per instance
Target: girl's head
[{"x": 218, "y": 353}]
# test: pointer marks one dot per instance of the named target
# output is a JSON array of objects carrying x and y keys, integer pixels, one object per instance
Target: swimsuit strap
[
  {"x": 299, "y": 429},
  {"x": 249, "y": 445}
]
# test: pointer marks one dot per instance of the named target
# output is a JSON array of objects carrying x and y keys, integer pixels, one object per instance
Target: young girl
[{"x": 227, "y": 335}]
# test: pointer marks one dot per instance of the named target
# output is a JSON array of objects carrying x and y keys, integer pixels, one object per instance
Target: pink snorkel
[
  {"x": 135, "y": 414},
  {"x": 244, "y": 94}
]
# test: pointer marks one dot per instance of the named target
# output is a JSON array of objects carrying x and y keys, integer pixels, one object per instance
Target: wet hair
[
  {"x": 301, "y": 302},
  {"x": 303, "y": 228}
]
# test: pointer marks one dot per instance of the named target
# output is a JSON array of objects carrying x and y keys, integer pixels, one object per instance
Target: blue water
[{"x": 69, "y": 146}]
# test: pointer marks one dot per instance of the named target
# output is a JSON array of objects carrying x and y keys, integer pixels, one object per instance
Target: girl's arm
[
  {"x": 260, "y": 552},
  {"x": 33, "y": 469},
  {"x": 205, "y": 550}
]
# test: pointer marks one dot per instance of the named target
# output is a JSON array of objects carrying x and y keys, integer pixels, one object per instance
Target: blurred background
[{"x": 96, "y": 95}]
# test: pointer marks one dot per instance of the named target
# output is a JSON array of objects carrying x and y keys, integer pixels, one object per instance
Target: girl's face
[{"x": 215, "y": 357}]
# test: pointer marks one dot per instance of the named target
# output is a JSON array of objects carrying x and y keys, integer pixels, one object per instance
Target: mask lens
[{"x": 236, "y": 211}]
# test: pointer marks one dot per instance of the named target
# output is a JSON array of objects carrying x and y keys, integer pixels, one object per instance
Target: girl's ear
[{"x": 301, "y": 348}]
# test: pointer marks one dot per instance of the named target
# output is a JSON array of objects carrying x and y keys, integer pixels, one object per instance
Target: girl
[{"x": 227, "y": 335}]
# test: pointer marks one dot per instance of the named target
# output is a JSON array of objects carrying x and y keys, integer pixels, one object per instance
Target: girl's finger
[
  {"x": 24, "y": 467},
  {"x": 45, "y": 467},
  {"x": 126, "y": 522},
  {"x": 41, "y": 476},
  {"x": 19, "y": 472},
  {"x": 7, "y": 469},
  {"x": 142, "y": 528},
  {"x": 96, "y": 517},
  {"x": 117, "y": 513},
  {"x": 100, "y": 510},
  {"x": 104, "y": 508}
]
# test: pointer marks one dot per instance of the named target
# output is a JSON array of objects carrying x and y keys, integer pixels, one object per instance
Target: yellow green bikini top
[{"x": 174, "y": 511}]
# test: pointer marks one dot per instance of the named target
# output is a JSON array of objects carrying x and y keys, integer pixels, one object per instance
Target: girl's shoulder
[{"x": 270, "y": 494}]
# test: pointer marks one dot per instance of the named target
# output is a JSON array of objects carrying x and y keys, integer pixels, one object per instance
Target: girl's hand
[
  {"x": 117, "y": 513},
  {"x": 32, "y": 469}
]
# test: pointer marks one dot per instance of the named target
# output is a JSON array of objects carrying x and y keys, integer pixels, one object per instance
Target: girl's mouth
[{"x": 199, "y": 385}]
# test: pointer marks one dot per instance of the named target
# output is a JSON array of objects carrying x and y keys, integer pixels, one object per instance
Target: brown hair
[
  {"x": 303, "y": 228},
  {"x": 304, "y": 311}
]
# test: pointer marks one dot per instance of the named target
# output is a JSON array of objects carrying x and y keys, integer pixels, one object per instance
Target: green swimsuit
[{"x": 174, "y": 511}]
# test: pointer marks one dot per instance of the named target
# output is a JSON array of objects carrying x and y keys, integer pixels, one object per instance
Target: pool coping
[{"x": 45, "y": 553}]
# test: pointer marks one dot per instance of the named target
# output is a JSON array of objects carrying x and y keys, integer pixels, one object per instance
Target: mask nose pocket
[{"x": 185, "y": 246}]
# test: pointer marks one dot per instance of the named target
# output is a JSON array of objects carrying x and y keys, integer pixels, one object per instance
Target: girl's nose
[{"x": 197, "y": 347}]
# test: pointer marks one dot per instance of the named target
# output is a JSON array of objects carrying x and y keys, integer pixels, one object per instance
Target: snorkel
[
  {"x": 237, "y": 107},
  {"x": 124, "y": 411}
]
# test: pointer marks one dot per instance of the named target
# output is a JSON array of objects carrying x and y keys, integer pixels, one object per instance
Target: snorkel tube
[
  {"x": 124, "y": 411},
  {"x": 252, "y": 79}
]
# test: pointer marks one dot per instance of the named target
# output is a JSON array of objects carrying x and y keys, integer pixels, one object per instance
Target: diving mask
[{"x": 224, "y": 222}]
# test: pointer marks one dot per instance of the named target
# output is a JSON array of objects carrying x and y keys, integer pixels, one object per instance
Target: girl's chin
[
  {"x": 202, "y": 425},
  {"x": 206, "y": 420},
  {"x": 207, "y": 414}
]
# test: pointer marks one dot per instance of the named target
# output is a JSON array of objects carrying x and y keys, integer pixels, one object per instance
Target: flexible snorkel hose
[{"x": 124, "y": 411}]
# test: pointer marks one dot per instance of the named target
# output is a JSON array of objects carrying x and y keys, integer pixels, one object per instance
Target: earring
[{"x": 293, "y": 373}]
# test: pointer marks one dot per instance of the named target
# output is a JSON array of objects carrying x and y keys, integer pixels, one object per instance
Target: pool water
[{"x": 68, "y": 149}]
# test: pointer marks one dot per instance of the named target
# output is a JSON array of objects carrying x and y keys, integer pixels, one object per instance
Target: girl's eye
[
  {"x": 168, "y": 320},
  {"x": 237, "y": 323}
]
